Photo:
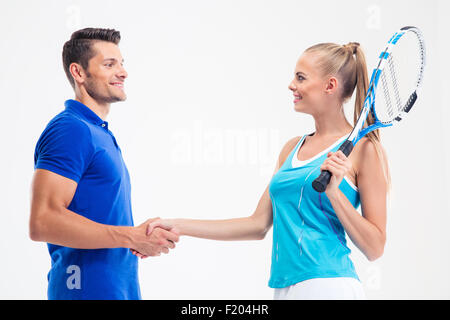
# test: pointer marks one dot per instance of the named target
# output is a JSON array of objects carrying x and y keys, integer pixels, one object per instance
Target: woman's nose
[{"x": 292, "y": 86}]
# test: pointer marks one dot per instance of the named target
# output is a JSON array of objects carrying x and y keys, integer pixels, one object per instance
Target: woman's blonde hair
[{"x": 348, "y": 64}]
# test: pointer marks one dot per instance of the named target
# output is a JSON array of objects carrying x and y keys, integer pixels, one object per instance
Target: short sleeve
[{"x": 65, "y": 148}]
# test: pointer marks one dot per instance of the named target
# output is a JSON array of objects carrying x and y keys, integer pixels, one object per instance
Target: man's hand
[{"x": 160, "y": 240}]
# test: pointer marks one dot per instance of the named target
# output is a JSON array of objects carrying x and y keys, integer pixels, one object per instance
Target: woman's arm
[
  {"x": 253, "y": 227},
  {"x": 367, "y": 232}
]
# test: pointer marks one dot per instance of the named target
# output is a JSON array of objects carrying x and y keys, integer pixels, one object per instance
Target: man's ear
[
  {"x": 77, "y": 72},
  {"x": 331, "y": 85}
]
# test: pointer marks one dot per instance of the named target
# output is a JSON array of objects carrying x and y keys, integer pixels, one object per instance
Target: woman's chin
[{"x": 298, "y": 107}]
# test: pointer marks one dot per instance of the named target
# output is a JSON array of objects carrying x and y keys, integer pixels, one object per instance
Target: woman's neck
[{"x": 331, "y": 124}]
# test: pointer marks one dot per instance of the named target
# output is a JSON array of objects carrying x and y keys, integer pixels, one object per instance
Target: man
[{"x": 81, "y": 189}]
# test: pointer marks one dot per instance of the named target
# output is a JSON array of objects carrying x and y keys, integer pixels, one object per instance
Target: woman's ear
[{"x": 331, "y": 85}]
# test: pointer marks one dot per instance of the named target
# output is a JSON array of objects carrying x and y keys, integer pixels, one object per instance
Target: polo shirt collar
[{"x": 84, "y": 111}]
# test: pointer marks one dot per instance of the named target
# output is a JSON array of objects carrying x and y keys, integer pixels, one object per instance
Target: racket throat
[{"x": 346, "y": 147}]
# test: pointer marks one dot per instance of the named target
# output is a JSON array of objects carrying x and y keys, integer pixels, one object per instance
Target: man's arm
[{"x": 52, "y": 222}]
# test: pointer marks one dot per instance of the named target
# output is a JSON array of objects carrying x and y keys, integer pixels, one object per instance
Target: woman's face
[{"x": 309, "y": 86}]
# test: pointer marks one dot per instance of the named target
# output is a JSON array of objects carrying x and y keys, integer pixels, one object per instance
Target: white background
[{"x": 208, "y": 111}]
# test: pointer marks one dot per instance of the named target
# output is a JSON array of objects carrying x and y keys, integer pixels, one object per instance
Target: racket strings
[
  {"x": 387, "y": 112},
  {"x": 393, "y": 101},
  {"x": 394, "y": 82}
]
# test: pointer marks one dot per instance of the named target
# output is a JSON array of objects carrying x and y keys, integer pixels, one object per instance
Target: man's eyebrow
[{"x": 113, "y": 59}]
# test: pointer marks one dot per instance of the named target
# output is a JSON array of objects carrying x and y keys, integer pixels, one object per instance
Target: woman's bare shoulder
[
  {"x": 287, "y": 148},
  {"x": 367, "y": 151}
]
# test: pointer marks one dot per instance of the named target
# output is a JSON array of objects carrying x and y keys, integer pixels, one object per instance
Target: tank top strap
[
  {"x": 288, "y": 162},
  {"x": 316, "y": 160}
]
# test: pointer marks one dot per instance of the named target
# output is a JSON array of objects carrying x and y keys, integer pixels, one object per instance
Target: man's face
[{"x": 105, "y": 75}]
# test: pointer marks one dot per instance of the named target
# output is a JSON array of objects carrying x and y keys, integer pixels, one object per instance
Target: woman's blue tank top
[{"x": 308, "y": 238}]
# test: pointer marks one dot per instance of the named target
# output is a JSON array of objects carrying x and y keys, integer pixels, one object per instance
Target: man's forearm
[{"x": 67, "y": 228}]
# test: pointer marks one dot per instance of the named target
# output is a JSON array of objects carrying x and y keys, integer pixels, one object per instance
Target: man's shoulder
[
  {"x": 65, "y": 133},
  {"x": 68, "y": 122},
  {"x": 66, "y": 130}
]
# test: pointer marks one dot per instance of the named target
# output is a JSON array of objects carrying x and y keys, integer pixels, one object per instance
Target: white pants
[{"x": 322, "y": 289}]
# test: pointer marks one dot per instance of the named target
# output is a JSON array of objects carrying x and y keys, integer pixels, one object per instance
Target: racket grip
[{"x": 322, "y": 181}]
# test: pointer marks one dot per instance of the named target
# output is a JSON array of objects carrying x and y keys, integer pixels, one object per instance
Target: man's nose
[{"x": 122, "y": 73}]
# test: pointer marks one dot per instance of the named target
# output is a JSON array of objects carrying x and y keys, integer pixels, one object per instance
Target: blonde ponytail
[{"x": 348, "y": 63}]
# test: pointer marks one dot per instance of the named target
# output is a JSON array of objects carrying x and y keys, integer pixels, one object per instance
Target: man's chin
[{"x": 118, "y": 98}]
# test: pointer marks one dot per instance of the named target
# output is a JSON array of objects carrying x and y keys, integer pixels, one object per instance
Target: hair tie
[{"x": 353, "y": 46}]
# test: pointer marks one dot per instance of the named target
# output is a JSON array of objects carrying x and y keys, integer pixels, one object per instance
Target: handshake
[{"x": 153, "y": 237}]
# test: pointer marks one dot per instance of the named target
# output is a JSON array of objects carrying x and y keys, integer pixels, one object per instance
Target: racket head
[
  {"x": 401, "y": 69},
  {"x": 394, "y": 84}
]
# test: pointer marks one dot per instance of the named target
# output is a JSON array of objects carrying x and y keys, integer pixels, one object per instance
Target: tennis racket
[{"x": 400, "y": 70}]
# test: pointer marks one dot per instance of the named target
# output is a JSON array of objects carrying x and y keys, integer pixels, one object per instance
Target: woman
[{"x": 310, "y": 257}]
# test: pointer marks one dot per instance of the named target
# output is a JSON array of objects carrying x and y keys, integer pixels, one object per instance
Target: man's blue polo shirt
[{"x": 78, "y": 145}]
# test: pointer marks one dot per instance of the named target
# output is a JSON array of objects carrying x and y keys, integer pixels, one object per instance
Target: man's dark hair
[{"x": 79, "y": 48}]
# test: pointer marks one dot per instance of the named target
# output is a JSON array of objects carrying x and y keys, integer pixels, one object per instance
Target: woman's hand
[
  {"x": 167, "y": 224},
  {"x": 339, "y": 165}
]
